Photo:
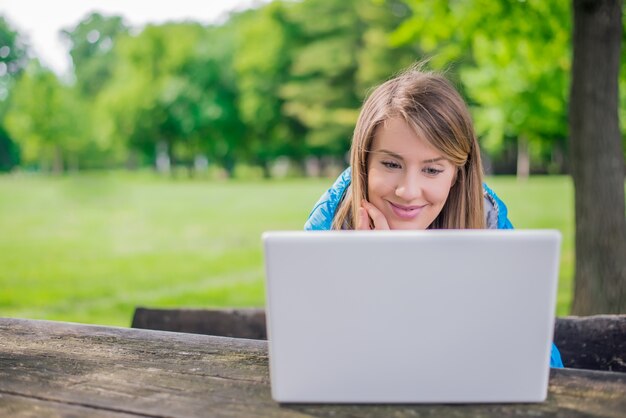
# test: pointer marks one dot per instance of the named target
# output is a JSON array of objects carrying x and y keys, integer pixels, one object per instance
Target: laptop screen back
[{"x": 419, "y": 316}]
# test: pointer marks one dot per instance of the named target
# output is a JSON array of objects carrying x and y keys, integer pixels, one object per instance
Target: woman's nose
[{"x": 410, "y": 188}]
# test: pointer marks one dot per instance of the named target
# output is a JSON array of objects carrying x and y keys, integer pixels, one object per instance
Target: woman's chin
[{"x": 405, "y": 226}]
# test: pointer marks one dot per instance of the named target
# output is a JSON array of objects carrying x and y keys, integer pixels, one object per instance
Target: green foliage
[
  {"x": 45, "y": 118},
  {"x": 13, "y": 58},
  {"x": 9, "y": 151},
  {"x": 91, "y": 48},
  {"x": 287, "y": 80},
  {"x": 218, "y": 124},
  {"x": 514, "y": 62},
  {"x": 265, "y": 43},
  {"x": 144, "y": 82},
  {"x": 172, "y": 86},
  {"x": 340, "y": 54},
  {"x": 107, "y": 243},
  {"x": 320, "y": 91},
  {"x": 518, "y": 91}
]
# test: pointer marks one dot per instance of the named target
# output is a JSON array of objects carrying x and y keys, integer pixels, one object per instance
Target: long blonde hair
[{"x": 436, "y": 112}]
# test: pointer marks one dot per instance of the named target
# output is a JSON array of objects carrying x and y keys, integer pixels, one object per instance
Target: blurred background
[{"x": 143, "y": 152}]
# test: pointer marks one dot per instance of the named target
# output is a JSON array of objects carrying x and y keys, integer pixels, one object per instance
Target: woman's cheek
[
  {"x": 379, "y": 184},
  {"x": 440, "y": 190}
]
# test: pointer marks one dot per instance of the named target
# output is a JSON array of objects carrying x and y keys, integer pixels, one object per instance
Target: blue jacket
[{"x": 321, "y": 218}]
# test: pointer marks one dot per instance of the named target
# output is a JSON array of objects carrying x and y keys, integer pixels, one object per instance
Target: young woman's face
[{"x": 408, "y": 180}]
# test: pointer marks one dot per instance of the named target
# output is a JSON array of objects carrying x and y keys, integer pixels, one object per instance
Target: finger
[
  {"x": 380, "y": 222},
  {"x": 362, "y": 220}
]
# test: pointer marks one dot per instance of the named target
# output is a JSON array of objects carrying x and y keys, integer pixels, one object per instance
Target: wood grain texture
[{"x": 60, "y": 369}]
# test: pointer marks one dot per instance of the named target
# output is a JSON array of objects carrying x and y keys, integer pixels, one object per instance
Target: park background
[{"x": 145, "y": 175}]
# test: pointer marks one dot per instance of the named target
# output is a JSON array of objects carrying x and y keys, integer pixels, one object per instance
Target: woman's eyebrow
[
  {"x": 389, "y": 153},
  {"x": 399, "y": 157},
  {"x": 433, "y": 160}
]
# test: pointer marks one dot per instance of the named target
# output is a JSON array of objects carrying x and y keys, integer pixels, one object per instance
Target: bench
[{"x": 593, "y": 342}]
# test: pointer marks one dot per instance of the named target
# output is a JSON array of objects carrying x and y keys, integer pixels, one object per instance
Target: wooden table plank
[
  {"x": 61, "y": 369},
  {"x": 26, "y": 406}
]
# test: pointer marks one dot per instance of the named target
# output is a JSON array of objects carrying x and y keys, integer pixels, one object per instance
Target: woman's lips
[{"x": 405, "y": 212}]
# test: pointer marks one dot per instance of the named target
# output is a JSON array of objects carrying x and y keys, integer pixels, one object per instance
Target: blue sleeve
[
  {"x": 503, "y": 220},
  {"x": 555, "y": 358},
  {"x": 321, "y": 217}
]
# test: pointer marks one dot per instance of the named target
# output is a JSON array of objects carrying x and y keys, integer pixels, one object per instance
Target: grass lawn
[{"x": 91, "y": 248}]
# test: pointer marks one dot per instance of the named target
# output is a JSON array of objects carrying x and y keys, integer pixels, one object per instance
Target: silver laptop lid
[{"x": 410, "y": 316}]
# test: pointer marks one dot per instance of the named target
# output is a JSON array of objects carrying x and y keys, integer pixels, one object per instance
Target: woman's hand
[{"x": 368, "y": 211}]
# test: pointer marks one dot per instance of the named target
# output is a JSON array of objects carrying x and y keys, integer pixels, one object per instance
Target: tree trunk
[
  {"x": 229, "y": 165},
  {"x": 597, "y": 159},
  {"x": 523, "y": 158},
  {"x": 57, "y": 161},
  {"x": 265, "y": 165},
  {"x": 132, "y": 162},
  {"x": 73, "y": 164},
  {"x": 163, "y": 164}
]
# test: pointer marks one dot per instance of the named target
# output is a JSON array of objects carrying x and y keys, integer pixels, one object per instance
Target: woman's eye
[
  {"x": 391, "y": 164},
  {"x": 432, "y": 171}
]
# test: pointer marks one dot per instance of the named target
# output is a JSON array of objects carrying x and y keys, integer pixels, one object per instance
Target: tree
[
  {"x": 265, "y": 45},
  {"x": 134, "y": 105},
  {"x": 499, "y": 49},
  {"x": 211, "y": 96},
  {"x": 597, "y": 159},
  {"x": 320, "y": 91},
  {"x": 9, "y": 151},
  {"x": 173, "y": 95},
  {"x": 92, "y": 44},
  {"x": 44, "y": 118},
  {"x": 519, "y": 93},
  {"x": 13, "y": 59},
  {"x": 339, "y": 56},
  {"x": 91, "y": 49}
]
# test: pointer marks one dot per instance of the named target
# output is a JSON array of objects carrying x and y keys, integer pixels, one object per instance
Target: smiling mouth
[{"x": 406, "y": 212}]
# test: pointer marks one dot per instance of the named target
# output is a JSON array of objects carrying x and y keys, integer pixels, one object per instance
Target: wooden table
[{"x": 52, "y": 369}]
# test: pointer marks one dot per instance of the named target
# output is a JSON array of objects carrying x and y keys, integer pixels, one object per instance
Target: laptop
[{"x": 447, "y": 316}]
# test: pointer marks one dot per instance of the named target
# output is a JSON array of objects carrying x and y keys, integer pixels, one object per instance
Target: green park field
[{"x": 91, "y": 248}]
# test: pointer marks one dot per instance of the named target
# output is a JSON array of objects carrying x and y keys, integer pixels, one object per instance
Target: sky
[{"x": 40, "y": 21}]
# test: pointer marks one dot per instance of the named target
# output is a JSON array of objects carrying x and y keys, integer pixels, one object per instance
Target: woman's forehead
[{"x": 396, "y": 136}]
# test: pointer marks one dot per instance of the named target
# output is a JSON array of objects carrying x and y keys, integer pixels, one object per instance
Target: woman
[{"x": 415, "y": 164}]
